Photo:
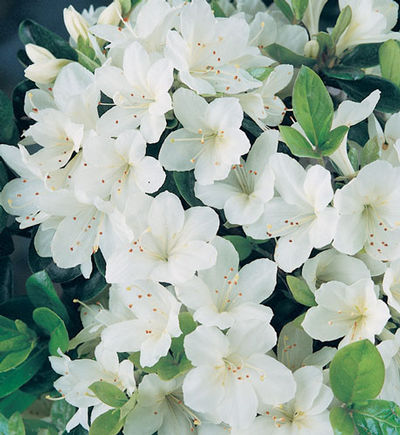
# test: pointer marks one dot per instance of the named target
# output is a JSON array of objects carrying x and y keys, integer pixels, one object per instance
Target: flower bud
[
  {"x": 111, "y": 15},
  {"x": 45, "y": 67},
  {"x": 75, "y": 24},
  {"x": 311, "y": 49}
]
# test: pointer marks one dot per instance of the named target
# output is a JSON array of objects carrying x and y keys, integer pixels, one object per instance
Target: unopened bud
[
  {"x": 75, "y": 24},
  {"x": 111, "y": 14},
  {"x": 311, "y": 49}
]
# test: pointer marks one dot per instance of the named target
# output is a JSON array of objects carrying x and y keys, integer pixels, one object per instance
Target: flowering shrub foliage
[{"x": 212, "y": 195}]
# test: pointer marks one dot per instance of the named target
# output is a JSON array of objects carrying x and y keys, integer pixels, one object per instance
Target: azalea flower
[
  {"x": 350, "y": 311},
  {"x": 387, "y": 140},
  {"x": 210, "y": 141},
  {"x": 222, "y": 294},
  {"x": 391, "y": 285},
  {"x": 389, "y": 349},
  {"x": 232, "y": 376},
  {"x": 248, "y": 186},
  {"x": 300, "y": 217}
]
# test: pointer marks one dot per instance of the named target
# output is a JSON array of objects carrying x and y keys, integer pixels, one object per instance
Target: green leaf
[
  {"x": 32, "y": 32},
  {"x": 299, "y": 7},
  {"x": 260, "y": 73},
  {"x": 359, "y": 89},
  {"x": 369, "y": 152},
  {"x": 108, "y": 423},
  {"x": 326, "y": 46},
  {"x": 6, "y": 243},
  {"x": 242, "y": 246},
  {"x": 41, "y": 292},
  {"x": 218, "y": 12},
  {"x": 251, "y": 127},
  {"x": 8, "y": 129},
  {"x": 312, "y": 106},
  {"x": 357, "y": 372},
  {"x": 6, "y": 278},
  {"x": 54, "y": 326},
  {"x": 88, "y": 63},
  {"x": 84, "y": 46},
  {"x": 389, "y": 60},
  {"x": 129, "y": 405},
  {"x": 17, "y": 401},
  {"x": 335, "y": 138},
  {"x": 341, "y": 422},
  {"x": 185, "y": 183},
  {"x": 39, "y": 427},
  {"x": 61, "y": 413},
  {"x": 285, "y": 9},
  {"x": 362, "y": 56},
  {"x": 284, "y": 55},
  {"x": 16, "y": 425},
  {"x": 13, "y": 379},
  {"x": 300, "y": 291},
  {"x": 342, "y": 23},
  {"x": 377, "y": 417},
  {"x": 100, "y": 262},
  {"x": 344, "y": 72},
  {"x": 3, "y": 425},
  {"x": 86, "y": 289},
  {"x": 297, "y": 143},
  {"x": 109, "y": 394}
]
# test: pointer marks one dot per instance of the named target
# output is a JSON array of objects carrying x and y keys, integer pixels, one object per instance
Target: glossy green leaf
[
  {"x": 341, "y": 422},
  {"x": 300, "y": 291},
  {"x": 299, "y": 7},
  {"x": 377, "y": 417},
  {"x": 326, "y": 46},
  {"x": 344, "y": 72},
  {"x": 39, "y": 427},
  {"x": 109, "y": 394},
  {"x": 32, "y": 32},
  {"x": 389, "y": 60},
  {"x": 284, "y": 55},
  {"x": 3, "y": 425},
  {"x": 185, "y": 183},
  {"x": 335, "y": 138},
  {"x": 297, "y": 143},
  {"x": 17, "y": 401},
  {"x": 100, "y": 262},
  {"x": 6, "y": 279},
  {"x": 359, "y": 89},
  {"x": 369, "y": 152},
  {"x": 86, "y": 289},
  {"x": 41, "y": 292},
  {"x": 8, "y": 129},
  {"x": 54, "y": 327},
  {"x": 362, "y": 56},
  {"x": 42, "y": 381},
  {"x": 13, "y": 379},
  {"x": 285, "y": 9},
  {"x": 342, "y": 23},
  {"x": 312, "y": 106},
  {"x": 251, "y": 127},
  {"x": 242, "y": 246},
  {"x": 108, "y": 423},
  {"x": 357, "y": 372},
  {"x": 16, "y": 425}
]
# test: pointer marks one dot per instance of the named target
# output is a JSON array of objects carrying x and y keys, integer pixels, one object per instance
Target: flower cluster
[{"x": 160, "y": 149}]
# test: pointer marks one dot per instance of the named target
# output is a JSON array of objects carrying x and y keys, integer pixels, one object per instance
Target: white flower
[
  {"x": 368, "y": 212},
  {"x": 331, "y": 265},
  {"x": 248, "y": 186},
  {"x": 140, "y": 94},
  {"x": 312, "y": 15},
  {"x": 170, "y": 243},
  {"x": 160, "y": 408},
  {"x": 111, "y": 14},
  {"x": 207, "y": 51},
  {"x": 156, "y": 311},
  {"x": 389, "y": 139},
  {"x": 210, "y": 141},
  {"x": 78, "y": 375},
  {"x": 222, "y": 294},
  {"x": 300, "y": 217},
  {"x": 371, "y": 21},
  {"x": 76, "y": 25},
  {"x": 350, "y": 311},
  {"x": 306, "y": 414},
  {"x": 232, "y": 374},
  {"x": 391, "y": 285},
  {"x": 389, "y": 349}
]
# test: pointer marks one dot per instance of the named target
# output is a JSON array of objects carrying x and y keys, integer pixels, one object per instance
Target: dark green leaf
[
  {"x": 297, "y": 143},
  {"x": 185, "y": 184},
  {"x": 41, "y": 292},
  {"x": 18, "y": 99},
  {"x": 251, "y": 127},
  {"x": 42, "y": 381},
  {"x": 242, "y": 246},
  {"x": 107, "y": 424},
  {"x": 312, "y": 106},
  {"x": 39, "y": 427},
  {"x": 6, "y": 243},
  {"x": 357, "y": 372},
  {"x": 13, "y": 379},
  {"x": 342, "y": 23},
  {"x": 369, "y": 152},
  {"x": 3, "y": 425},
  {"x": 61, "y": 413},
  {"x": 389, "y": 60},
  {"x": 341, "y": 421},
  {"x": 6, "y": 279},
  {"x": 344, "y": 72},
  {"x": 335, "y": 138},
  {"x": 17, "y": 401},
  {"x": 218, "y": 11},
  {"x": 299, "y": 7},
  {"x": 284, "y": 55},
  {"x": 16, "y": 425},
  {"x": 61, "y": 275},
  {"x": 54, "y": 326},
  {"x": 326, "y": 46},
  {"x": 32, "y": 32},
  {"x": 100, "y": 262},
  {"x": 377, "y": 417},
  {"x": 285, "y": 9},
  {"x": 12, "y": 309},
  {"x": 362, "y": 56},
  {"x": 86, "y": 289},
  {"x": 109, "y": 394},
  {"x": 360, "y": 89},
  {"x": 8, "y": 129},
  {"x": 300, "y": 291}
]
